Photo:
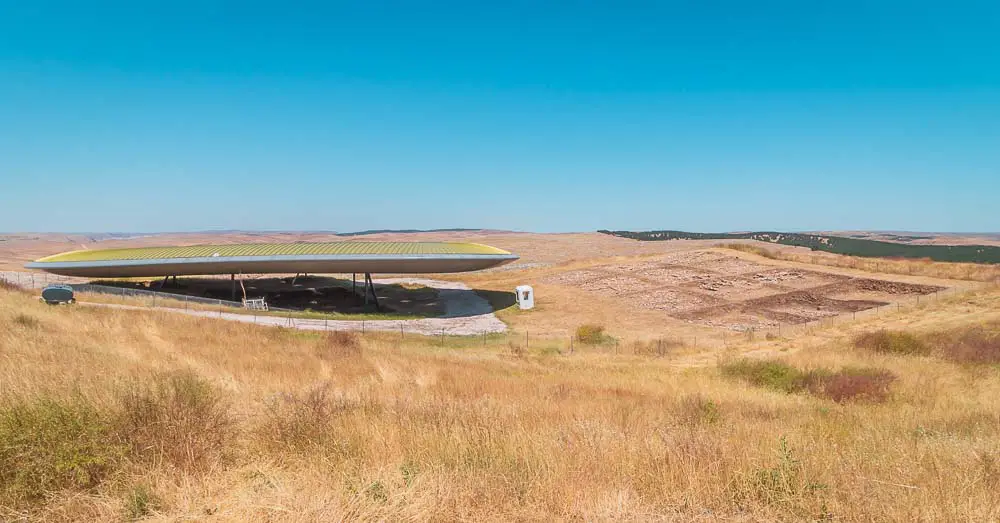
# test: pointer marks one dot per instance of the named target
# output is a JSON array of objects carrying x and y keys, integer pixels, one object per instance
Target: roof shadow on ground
[
  {"x": 498, "y": 300},
  {"x": 331, "y": 295}
]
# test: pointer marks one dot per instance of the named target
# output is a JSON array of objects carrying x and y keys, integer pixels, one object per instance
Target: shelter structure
[{"x": 277, "y": 258}]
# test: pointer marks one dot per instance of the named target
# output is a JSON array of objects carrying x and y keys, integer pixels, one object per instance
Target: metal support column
[{"x": 369, "y": 284}]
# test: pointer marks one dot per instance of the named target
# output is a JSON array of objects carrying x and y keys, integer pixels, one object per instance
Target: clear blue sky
[{"x": 560, "y": 116}]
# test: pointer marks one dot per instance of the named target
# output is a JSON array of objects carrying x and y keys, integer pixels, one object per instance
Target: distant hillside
[
  {"x": 835, "y": 244},
  {"x": 401, "y": 231}
]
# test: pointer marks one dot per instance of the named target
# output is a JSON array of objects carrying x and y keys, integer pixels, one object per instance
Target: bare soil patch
[{"x": 716, "y": 289}]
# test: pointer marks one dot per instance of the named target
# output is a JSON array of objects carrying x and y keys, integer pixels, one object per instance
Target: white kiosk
[{"x": 525, "y": 297}]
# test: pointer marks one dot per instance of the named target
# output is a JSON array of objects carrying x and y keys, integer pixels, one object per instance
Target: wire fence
[
  {"x": 163, "y": 297},
  {"x": 446, "y": 330}
]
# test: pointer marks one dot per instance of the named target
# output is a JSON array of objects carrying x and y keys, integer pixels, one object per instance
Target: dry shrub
[
  {"x": 339, "y": 345},
  {"x": 517, "y": 350},
  {"x": 892, "y": 342},
  {"x": 697, "y": 409},
  {"x": 26, "y": 321},
  {"x": 305, "y": 422},
  {"x": 846, "y": 384},
  {"x": 11, "y": 286},
  {"x": 749, "y": 248},
  {"x": 48, "y": 445},
  {"x": 976, "y": 345},
  {"x": 180, "y": 420},
  {"x": 659, "y": 347},
  {"x": 851, "y": 384}
]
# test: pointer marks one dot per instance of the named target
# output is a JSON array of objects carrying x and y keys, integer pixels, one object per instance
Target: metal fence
[
  {"x": 153, "y": 298},
  {"x": 163, "y": 297}
]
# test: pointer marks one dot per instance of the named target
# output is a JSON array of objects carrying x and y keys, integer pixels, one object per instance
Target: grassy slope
[
  {"x": 269, "y": 423},
  {"x": 836, "y": 245}
]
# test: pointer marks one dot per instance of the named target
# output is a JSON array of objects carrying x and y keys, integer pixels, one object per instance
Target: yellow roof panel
[{"x": 350, "y": 248}]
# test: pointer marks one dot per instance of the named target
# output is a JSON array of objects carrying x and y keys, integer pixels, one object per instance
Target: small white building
[{"x": 525, "y": 297}]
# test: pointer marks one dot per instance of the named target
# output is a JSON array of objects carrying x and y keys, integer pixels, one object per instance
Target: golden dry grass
[
  {"x": 209, "y": 418},
  {"x": 946, "y": 270}
]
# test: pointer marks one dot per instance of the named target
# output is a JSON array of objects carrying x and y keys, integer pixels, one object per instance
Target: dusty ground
[{"x": 684, "y": 289}]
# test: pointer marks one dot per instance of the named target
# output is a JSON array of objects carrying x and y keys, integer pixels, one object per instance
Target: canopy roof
[{"x": 259, "y": 258}]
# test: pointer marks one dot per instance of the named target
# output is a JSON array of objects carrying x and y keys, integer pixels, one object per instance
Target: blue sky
[{"x": 562, "y": 116}]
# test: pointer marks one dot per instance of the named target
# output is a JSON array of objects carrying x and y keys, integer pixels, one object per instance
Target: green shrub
[
  {"x": 764, "y": 373},
  {"x": 696, "y": 409},
  {"x": 591, "y": 334},
  {"x": 892, "y": 342},
  {"x": 140, "y": 502},
  {"x": 48, "y": 445}
]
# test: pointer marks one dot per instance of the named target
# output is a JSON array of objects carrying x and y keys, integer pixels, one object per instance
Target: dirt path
[{"x": 463, "y": 326}]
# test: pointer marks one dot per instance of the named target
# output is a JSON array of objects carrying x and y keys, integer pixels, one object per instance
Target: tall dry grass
[{"x": 184, "y": 418}]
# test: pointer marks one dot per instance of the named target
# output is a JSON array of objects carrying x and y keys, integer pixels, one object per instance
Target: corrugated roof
[{"x": 276, "y": 249}]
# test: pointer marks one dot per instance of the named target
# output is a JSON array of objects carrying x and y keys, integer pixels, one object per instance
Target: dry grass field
[{"x": 113, "y": 415}]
